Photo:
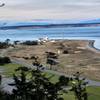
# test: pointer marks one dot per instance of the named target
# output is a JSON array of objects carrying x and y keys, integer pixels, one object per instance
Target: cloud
[{"x": 57, "y": 9}]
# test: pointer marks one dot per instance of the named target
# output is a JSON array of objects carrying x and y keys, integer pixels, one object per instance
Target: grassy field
[
  {"x": 8, "y": 69},
  {"x": 93, "y": 94}
]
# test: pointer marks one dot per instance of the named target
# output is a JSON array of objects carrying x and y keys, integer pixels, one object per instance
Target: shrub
[
  {"x": 30, "y": 43},
  {"x": 4, "y": 60},
  {"x": 52, "y": 55},
  {"x": 3, "y": 45}
]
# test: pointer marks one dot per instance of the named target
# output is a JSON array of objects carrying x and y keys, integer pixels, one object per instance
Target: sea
[{"x": 74, "y": 33}]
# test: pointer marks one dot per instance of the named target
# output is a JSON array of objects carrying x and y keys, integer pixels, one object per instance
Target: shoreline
[{"x": 92, "y": 47}]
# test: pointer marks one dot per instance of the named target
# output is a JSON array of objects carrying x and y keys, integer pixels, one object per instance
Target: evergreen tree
[
  {"x": 36, "y": 86},
  {"x": 79, "y": 87}
]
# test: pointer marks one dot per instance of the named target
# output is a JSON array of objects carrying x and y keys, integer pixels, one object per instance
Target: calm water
[{"x": 85, "y": 33}]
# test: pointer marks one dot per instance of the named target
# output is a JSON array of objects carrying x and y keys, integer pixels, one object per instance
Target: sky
[{"x": 49, "y": 9}]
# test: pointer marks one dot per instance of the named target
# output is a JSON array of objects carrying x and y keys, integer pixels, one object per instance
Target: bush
[
  {"x": 52, "y": 55},
  {"x": 30, "y": 43},
  {"x": 5, "y": 60},
  {"x": 3, "y": 45},
  {"x": 65, "y": 51}
]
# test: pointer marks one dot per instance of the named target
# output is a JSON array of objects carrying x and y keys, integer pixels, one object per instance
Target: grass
[
  {"x": 8, "y": 69},
  {"x": 93, "y": 94},
  {"x": 53, "y": 78},
  {"x": 68, "y": 96}
]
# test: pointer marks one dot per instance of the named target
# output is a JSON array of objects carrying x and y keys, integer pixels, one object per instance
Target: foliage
[
  {"x": 3, "y": 45},
  {"x": 7, "y": 41},
  {"x": 52, "y": 55},
  {"x": 37, "y": 86},
  {"x": 30, "y": 43},
  {"x": 79, "y": 87},
  {"x": 52, "y": 62},
  {"x": 4, "y": 60}
]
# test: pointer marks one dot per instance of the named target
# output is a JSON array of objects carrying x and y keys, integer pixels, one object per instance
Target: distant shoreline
[
  {"x": 92, "y": 47},
  {"x": 48, "y": 25}
]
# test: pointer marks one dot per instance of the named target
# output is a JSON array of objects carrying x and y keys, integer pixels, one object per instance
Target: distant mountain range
[{"x": 5, "y": 25}]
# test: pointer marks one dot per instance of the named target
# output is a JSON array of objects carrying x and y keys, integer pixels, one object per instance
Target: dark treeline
[
  {"x": 30, "y": 43},
  {"x": 3, "y": 45}
]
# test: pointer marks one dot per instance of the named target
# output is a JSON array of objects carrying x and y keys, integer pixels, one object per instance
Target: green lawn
[
  {"x": 53, "y": 78},
  {"x": 8, "y": 69},
  {"x": 93, "y": 94}
]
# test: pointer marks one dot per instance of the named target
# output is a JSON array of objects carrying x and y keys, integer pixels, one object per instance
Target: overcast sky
[{"x": 49, "y": 9}]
